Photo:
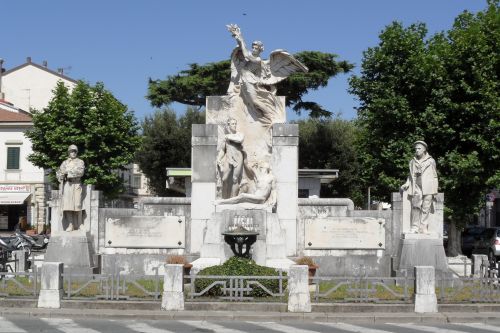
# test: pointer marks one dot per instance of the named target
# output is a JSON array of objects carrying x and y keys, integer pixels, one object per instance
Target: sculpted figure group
[{"x": 254, "y": 79}]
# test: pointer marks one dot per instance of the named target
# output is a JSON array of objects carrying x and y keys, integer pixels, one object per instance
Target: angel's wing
[
  {"x": 281, "y": 65},
  {"x": 237, "y": 61}
]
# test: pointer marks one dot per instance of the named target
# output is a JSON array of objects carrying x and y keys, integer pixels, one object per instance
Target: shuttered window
[{"x": 13, "y": 157}]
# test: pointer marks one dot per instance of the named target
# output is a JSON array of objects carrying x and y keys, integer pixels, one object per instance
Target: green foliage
[
  {"x": 166, "y": 143},
  {"x": 330, "y": 144},
  {"x": 444, "y": 89},
  {"x": 236, "y": 266},
  {"x": 191, "y": 86},
  {"x": 104, "y": 131}
]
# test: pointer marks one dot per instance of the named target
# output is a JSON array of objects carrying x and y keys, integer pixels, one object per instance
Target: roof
[
  {"x": 14, "y": 117},
  {"x": 62, "y": 76}
]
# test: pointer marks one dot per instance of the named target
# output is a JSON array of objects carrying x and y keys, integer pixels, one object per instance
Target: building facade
[{"x": 23, "y": 186}]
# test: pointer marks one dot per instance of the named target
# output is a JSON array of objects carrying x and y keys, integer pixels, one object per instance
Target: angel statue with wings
[{"x": 254, "y": 79}]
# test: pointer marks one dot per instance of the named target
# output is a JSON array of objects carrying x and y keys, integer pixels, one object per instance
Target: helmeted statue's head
[
  {"x": 72, "y": 151},
  {"x": 420, "y": 148}
]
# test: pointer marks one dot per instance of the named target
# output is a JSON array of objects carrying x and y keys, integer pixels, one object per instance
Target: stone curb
[{"x": 372, "y": 317}]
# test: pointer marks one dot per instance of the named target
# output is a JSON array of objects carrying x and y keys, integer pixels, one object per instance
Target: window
[
  {"x": 136, "y": 183},
  {"x": 13, "y": 158},
  {"x": 303, "y": 193}
]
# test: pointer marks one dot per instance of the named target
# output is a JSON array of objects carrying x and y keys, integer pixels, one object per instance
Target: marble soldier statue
[
  {"x": 254, "y": 79},
  {"x": 264, "y": 183},
  {"x": 230, "y": 160},
  {"x": 422, "y": 186},
  {"x": 69, "y": 175}
]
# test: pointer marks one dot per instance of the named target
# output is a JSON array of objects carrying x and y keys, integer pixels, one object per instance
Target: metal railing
[
  {"x": 236, "y": 288},
  {"x": 113, "y": 286},
  {"x": 482, "y": 288},
  {"x": 20, "y": 284},
  {"x": 363, "y": 289}
]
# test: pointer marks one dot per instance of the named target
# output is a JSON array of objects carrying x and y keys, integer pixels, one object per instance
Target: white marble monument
[
  {"x": 422, "y": 240},
  {"x": 245, "y": 160}
]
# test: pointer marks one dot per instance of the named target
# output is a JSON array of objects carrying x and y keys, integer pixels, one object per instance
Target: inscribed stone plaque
[
  {"x": 353, "y": 233},
  {"x": 145, "y": 232}
]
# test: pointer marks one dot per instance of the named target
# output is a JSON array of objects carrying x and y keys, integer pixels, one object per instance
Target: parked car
[
  {"x": 488, "y": 243},
  {"x": 469, "y": 237}
]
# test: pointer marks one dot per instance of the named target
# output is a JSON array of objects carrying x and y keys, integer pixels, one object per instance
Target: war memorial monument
[{"x": 245, "y": 178}]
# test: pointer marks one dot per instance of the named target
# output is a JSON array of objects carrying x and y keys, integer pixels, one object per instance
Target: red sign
[{"x": 15, "y": 188}]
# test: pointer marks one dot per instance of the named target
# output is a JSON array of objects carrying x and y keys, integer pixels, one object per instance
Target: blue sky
[{"x": 123, "y": 43}]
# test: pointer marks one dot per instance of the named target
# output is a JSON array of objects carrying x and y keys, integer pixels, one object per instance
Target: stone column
[
  {"x": 21, "y": 257},
  {"x": 203, "y": 179},
  {"x": 425, "y": 290},
  {"x": 285, "y": 163},
  {"x": 477, "y": 261},
  {"x": 51, "y": 289},
  {"x": 173, "y": 297},
  {"x": 299, "y": 298}
]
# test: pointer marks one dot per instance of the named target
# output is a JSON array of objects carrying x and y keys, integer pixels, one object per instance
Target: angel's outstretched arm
[{"x": 235, "y": 31}]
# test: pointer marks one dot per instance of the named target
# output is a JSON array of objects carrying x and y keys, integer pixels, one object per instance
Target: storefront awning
[{"x": 13, "y": 198}]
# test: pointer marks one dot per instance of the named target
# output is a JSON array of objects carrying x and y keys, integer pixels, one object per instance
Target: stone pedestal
[
  {"x": 51, "y": 288},
  {"x": 203, "y": 163},
  {"x": 425, "y": 290},
  {"x": 299, "y": 298},
  {"x": 421, "y": 250},
  {"x": 268, "y": 250},
  {"x": 73, "y": 249},
  {"x": 285, "y": 162},
  {"x": 173, "y": 297}
]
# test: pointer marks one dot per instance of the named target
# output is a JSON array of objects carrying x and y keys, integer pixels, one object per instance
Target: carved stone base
[
  {"x": 421, "y": 250},
  {"x": 73, "y": 249}
]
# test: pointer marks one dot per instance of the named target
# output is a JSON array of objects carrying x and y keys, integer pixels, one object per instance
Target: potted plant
[
  {"x": 31, "y": 230},
  {"x": 180, "y": 260},
  {"x": 308, "y": 261}
]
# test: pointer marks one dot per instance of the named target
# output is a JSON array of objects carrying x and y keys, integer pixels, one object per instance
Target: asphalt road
[{"x": 18, "y": 324}]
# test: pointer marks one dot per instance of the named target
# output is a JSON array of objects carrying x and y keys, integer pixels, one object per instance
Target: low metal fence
[
  {"x": 20, "y": 284},
  {"x": 114, "y": 286},
  {"x": 482, "y": 288},
  {"x": 236, "y": 288},
  {"x": 362, "y": 289},
  {"x": 461, "y": 269}
]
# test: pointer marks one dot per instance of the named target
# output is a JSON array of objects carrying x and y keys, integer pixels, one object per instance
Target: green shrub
[{"x": 239, "y": 267}]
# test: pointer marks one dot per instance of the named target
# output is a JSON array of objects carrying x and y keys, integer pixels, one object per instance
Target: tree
[
  {"x": 166, "y": 143},
  {"x": 444, "y": 89},
  {"x": 97, "y": 123},
  {"x": 330, "y": 144},
  {"x": 193, "y": 85}
]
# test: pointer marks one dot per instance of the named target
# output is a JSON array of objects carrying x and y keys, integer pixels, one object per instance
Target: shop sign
[{"x": 13, "y": 188}]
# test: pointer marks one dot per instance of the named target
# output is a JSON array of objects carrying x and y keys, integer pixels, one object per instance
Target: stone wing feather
[{"x": 281, "y": 65}]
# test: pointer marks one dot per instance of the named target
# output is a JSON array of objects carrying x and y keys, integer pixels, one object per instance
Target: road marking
[
  {"x": 67, "y": 325},
  {"x": 7, "y": 326},
  {"x": 426, "y": 328},
  {"x": 210, "y": 326},
  {"x": 354, "y": 328},
  {"x": 280, "y": 328},
  {"x": 485, "y": 327},
  {"x": 145, "y": 328}
]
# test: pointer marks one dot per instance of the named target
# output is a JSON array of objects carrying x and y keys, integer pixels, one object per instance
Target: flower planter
[{"x": 312, "y": 272}]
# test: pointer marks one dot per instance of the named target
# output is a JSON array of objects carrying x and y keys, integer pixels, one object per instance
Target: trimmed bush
[{"x": 239, "y": 267}]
